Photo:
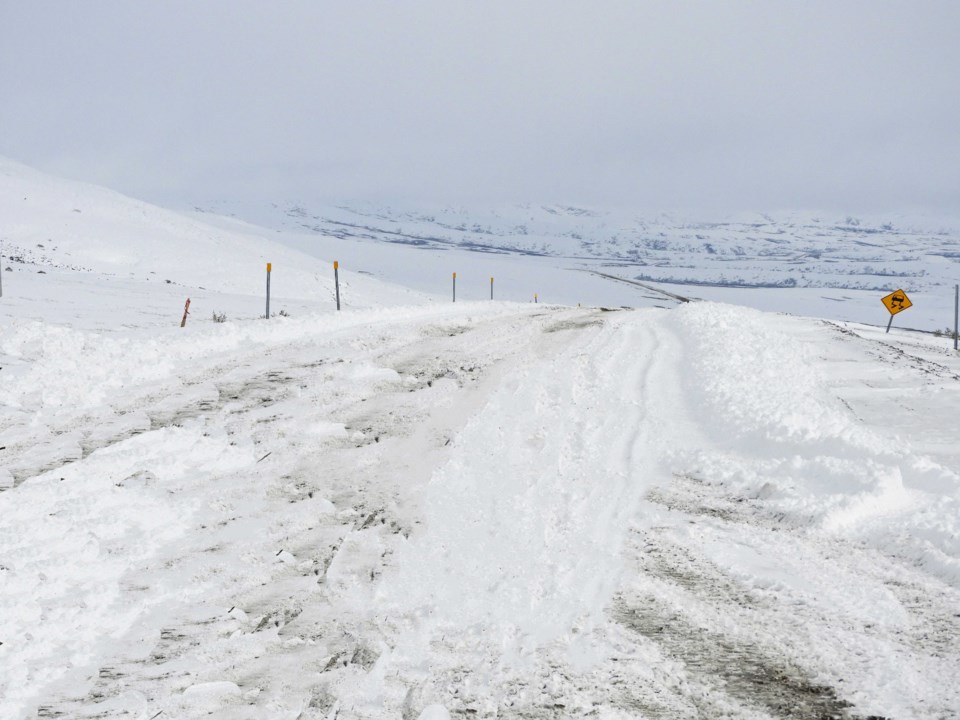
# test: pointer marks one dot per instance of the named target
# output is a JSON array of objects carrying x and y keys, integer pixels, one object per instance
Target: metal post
[
  {"x": 454, "y": 287},
  {"x": 269, "y": 268},
  {"x": 956, "y": 312},
  {"x": 889, "y": 323},
  {"x": 491, "y": 288},
  {"x": 336, "y": 280}
]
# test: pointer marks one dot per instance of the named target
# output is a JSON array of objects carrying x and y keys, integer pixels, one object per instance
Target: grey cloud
[{"x": 727, "y": 106}]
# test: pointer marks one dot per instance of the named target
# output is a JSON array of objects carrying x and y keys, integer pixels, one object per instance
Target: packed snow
[{"x": 425, "y": 509}]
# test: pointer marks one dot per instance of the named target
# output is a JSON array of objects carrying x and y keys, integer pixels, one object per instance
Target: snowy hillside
[
  {"x": 80, "y": 232},
  {"x": 840, "y": 266},
  {"x": 425, "y": 510}
]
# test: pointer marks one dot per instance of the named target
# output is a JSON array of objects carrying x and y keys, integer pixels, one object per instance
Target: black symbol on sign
[{"x": 897, "y": 301}]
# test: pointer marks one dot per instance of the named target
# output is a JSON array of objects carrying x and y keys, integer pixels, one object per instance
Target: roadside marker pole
[
  {"x": 535, "y": 299},
  {"x": 186, "y": 311},
  {"x": 269, "y": 268},
  {"x": 491, "y": 288},
  {"x": 454, "y": 287},
  {"x": 956, "y": 313},
  {"x": 336, "y": 280}
]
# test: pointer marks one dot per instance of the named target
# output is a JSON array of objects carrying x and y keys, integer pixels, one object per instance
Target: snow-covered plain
[{"x": 415, "y": 508}]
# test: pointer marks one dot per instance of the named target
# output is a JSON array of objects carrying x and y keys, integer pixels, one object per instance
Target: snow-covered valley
[
  {"x": 418, "y": 508},
  {"x": 835, "y": 266}
]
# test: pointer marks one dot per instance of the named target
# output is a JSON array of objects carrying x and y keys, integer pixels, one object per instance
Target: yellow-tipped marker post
[
  {"x": 269, "y": 270},
  {"x": 336, "y": 280}
]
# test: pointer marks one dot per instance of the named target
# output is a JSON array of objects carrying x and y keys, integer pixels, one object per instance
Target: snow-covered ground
[{"x": 415, "y": 508}]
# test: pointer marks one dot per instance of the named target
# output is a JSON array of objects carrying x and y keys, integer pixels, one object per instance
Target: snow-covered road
[{"x": 505, "y": 510}]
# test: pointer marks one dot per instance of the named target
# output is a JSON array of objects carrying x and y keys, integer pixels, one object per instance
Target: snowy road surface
[{"x": 503, "y": 510}]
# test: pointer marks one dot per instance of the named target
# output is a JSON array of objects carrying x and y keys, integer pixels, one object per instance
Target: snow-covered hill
[{"x": 82, "y": 232}]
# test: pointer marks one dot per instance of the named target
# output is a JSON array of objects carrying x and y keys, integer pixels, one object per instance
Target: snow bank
[
  {"x": 779, "y": 432},
  {"x": 60, "y": 368}
]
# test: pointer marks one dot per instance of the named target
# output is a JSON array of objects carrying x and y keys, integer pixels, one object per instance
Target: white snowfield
[{"x": 418, "y": 509}]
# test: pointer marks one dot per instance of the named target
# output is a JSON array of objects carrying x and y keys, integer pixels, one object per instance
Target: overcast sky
[{"x": 724, "y": 106}]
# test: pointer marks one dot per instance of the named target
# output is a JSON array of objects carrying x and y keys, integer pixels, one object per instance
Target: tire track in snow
[
  {"x": 689, "y": 587},
  {"x": 761, "y": 616},
  {"x": 722, "y": 670},
  {"x": 333, "y": 507},
  {"x": 71, "y": 404},
  {"x": 306, "y": 633},
  {"x": 525, "y": 525}
]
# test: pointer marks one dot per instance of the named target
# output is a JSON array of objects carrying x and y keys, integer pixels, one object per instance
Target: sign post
[
  {"x": 454, "y": 287},
  {"x": 956, "y": 313},
  {"x": 336, "y": 280},
  {"x": 269, "y": 268},
  {"x": 895, "y": 302}
]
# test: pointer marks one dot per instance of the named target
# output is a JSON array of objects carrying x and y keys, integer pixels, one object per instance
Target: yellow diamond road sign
[{"x": 896, "y": 302}]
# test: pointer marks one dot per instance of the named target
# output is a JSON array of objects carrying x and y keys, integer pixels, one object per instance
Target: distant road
[{"x": 653, "y": 288}]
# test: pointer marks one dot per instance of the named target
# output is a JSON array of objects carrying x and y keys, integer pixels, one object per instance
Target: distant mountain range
[{"x": 754, "y": 251}]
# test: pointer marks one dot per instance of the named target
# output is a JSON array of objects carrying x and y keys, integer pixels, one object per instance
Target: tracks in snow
[
  {"x": 447, "y": 512},
  {"x": 283, "y": 553},
  {"x": 504, "y": 610}
]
